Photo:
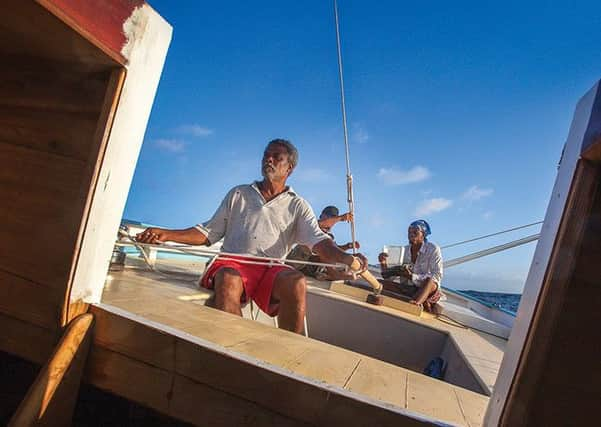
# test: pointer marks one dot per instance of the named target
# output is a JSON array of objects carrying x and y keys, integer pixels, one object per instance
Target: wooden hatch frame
[
  {"x": 551, "y": 374},
  {"x": 65, "y": 184}
]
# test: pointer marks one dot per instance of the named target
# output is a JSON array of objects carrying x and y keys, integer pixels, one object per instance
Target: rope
[
  {"x": 490, "y": 235},
  {"x": 250, "y": 259},
  {"x": 349, "y": 176}
]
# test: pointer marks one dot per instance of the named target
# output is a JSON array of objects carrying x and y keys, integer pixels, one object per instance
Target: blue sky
[{"x": 457, "y": 114}]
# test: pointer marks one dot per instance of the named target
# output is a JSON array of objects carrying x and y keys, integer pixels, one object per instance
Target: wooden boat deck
[{"x": 177, "y": 303}]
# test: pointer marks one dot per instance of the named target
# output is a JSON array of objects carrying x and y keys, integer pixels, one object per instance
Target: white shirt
[
  {"x": 250, "y": 225},
  {"x": 427, "y": 265}
]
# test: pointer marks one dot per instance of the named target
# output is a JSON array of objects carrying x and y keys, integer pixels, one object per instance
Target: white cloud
[
  {"x": 430, "y": 206},
  {"x": 398, "y": 177},
  {"x": 172, "y": 145},
  {"x": 312, "y": 175},
  {"x": 360, "y": 134},
  {"x": 487, "y": 215},
  {"x": 195, "y": 130},
  {"x": 476, "y": 193}
]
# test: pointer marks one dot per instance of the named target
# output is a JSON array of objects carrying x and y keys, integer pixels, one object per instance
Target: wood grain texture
[
  {"x": 31, "y": 302},
  {"x": 50, "y": 86},
  {"x": 102, "y": 26},
  {"x": 30, "y": 29},
  {"x": 26, "y": 340},
  {"x": 552, "y": 330},
  {"x": 51, "y": 398},
  {"x": 42, "y": 207}
]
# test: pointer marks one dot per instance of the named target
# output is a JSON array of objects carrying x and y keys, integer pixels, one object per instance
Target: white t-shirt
[
  {"x": 249, "y": 225},
  {"x": 427, "y": 265}
]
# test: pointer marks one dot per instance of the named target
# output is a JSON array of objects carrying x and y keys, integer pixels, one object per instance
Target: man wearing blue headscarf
[{"x": 420, "y": 274}]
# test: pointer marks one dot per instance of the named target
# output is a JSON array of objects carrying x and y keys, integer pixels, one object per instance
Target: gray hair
[{"x": 290, "y": 148}]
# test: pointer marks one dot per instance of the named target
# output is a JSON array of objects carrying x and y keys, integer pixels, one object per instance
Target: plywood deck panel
[
  {"x": 482, "y": 352},
  {"x": 250, "y": 341},
  {"x": 380, "y": 381}
]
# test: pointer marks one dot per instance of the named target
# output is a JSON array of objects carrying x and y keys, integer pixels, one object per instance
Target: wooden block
[{"x": 361, "y": 295}]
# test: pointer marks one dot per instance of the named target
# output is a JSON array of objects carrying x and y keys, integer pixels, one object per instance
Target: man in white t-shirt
[{"x": 265, "y": 218}]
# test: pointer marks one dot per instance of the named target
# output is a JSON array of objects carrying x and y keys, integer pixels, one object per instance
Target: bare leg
[
  {"x": 423, "y": 292},
  {"x": 289, "y": 290},
  {"x": 228, "y": 290}
]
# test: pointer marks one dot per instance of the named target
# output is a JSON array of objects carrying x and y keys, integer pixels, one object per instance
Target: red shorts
[{"x": 257, "y": 279}]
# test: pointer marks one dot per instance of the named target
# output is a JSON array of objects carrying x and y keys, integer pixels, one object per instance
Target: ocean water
[{"x": 506, "y": 301}]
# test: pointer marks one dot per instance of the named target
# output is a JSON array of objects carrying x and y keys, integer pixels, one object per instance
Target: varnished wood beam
[{"x": 51, "y": 398}]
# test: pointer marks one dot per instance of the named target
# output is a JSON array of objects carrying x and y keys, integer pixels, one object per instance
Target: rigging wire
[
  {"x": 490, "y": 235},
  {"x": 490, "y": 251},
  {"x": 349, "y": 176}
]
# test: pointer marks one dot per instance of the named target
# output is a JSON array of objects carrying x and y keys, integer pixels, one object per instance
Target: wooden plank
[
  {"x": 532, "y": 297},
  {"x": 424, "y": 395},
  {"x": 557, "y": 284},
  {"x": 42, "y": 202},
  {"x": 306, "y": 357},
  {"x": 342, "y": 411},
  {"x": 33, "y": 83},
  {"x": 98, "y": 144},
  {"x": 148, "y": 39},
  {"x": 26, "y": 340},
  {"x": 201, "y": 405},
  {"x": 130, "y": 378},
  {"x": 102, "y": 26},
  {"x": 51, "y": 399},
  {"x": 131, "y": 338},
  {"x": 361, "y": 295},
  {"x": 255, "y": 369},
  {"x": 473, "y": 406},
  {"x": 380, "y": 381},
  {"x": 29, "y": 301},
  {"x": 173, "y": 394},
  {"x": 29, "y": 29},
  {"x": 57, "y": 133}
]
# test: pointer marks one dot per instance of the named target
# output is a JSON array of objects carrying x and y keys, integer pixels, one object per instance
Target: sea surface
[{"x": 506, "y": 301}]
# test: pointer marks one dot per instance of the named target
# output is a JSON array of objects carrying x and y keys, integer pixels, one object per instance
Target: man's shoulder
[{"x": 240, "y": 189}]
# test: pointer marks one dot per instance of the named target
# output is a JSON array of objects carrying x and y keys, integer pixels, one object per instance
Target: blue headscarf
[{"x": 423, "y": 226}]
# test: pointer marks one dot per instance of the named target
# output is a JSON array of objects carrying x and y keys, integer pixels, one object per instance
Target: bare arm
[
  {"x": 330, "y": 222},
  {"x": 189, "y": 236},
  {"x": 328, "y": 251}
]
